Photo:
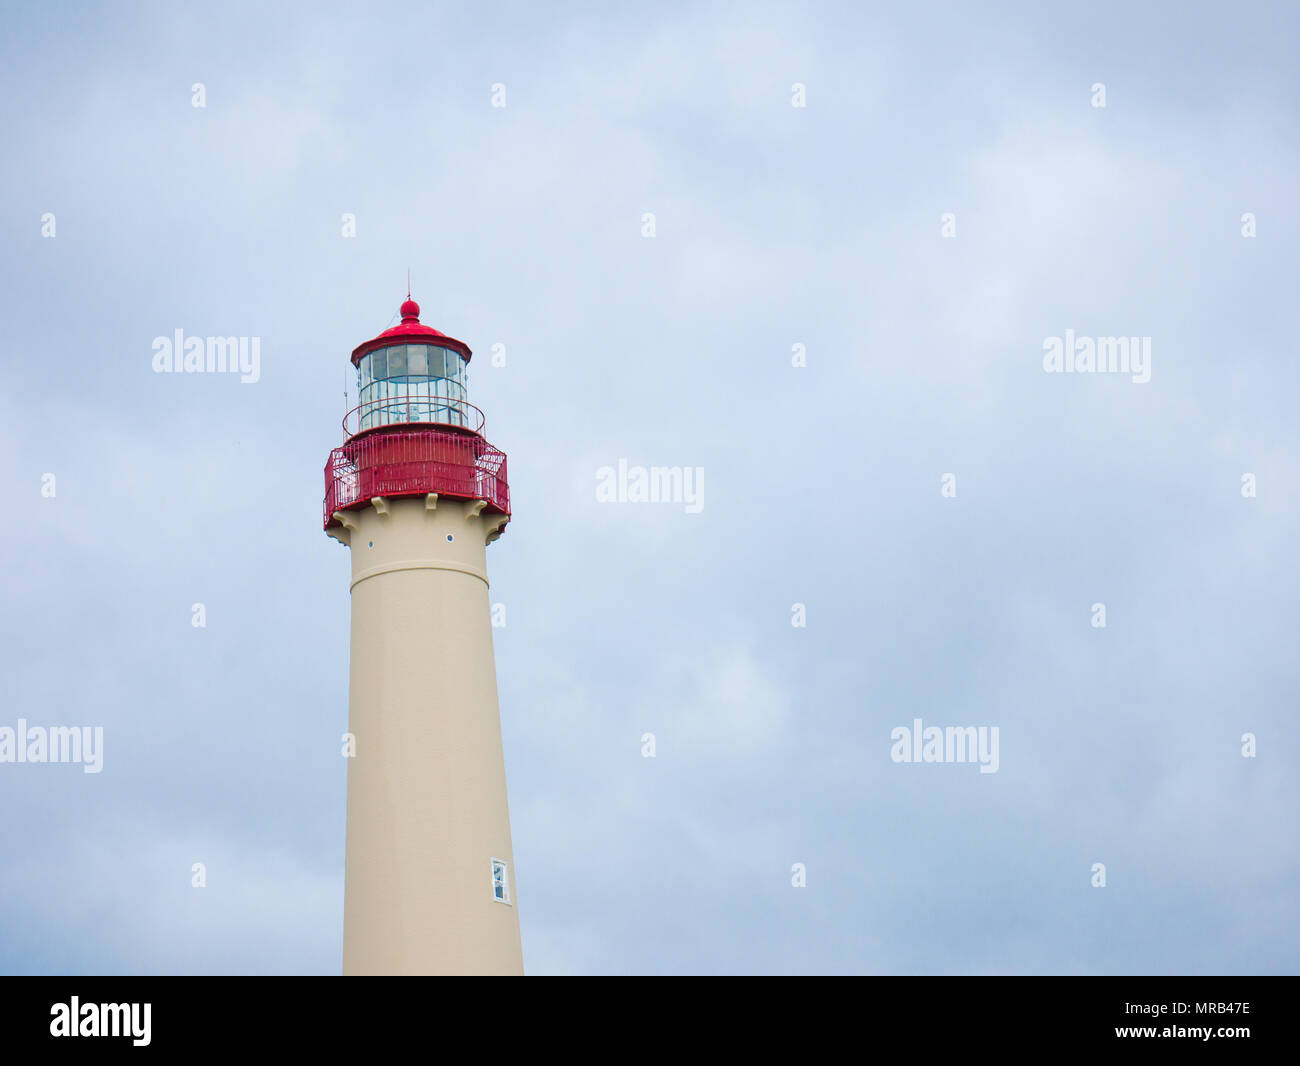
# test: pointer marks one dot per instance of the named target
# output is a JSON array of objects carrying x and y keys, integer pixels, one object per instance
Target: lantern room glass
[{"x": 412, "y": 383}]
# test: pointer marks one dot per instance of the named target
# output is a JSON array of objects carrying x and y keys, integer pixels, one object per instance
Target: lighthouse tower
[{"x": 417, "y": 493}]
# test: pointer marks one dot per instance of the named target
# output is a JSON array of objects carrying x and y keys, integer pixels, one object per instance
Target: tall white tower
[{"x": 417, "y": 493}]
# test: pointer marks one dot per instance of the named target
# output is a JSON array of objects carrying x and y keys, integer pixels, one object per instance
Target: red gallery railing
[{"x": 414, "y": 459}]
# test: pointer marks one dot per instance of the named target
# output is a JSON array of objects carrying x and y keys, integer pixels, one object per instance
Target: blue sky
[{"x": 774, "y": 226}]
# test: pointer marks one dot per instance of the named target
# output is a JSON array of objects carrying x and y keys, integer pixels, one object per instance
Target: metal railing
[
  {"x": 413, "y": 408},
  {"x": 415, "y": 463}
]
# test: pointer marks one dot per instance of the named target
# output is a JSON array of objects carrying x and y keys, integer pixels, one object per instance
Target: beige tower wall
[{"x": 427, "y": 805}]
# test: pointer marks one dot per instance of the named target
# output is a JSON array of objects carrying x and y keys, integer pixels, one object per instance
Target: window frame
[{"x": 504, "y": 882}]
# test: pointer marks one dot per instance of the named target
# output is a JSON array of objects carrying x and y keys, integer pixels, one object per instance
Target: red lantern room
[{"x": 414, "y": 433}]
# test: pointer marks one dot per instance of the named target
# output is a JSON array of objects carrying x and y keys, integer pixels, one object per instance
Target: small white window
[{"x": 500, "y": 882}]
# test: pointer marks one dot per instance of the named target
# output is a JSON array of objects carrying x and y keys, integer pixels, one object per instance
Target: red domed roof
[{"x": 410, "y": 331}]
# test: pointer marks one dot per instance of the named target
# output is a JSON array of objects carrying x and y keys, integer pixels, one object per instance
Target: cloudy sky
[{"x": 774, "y": 226}]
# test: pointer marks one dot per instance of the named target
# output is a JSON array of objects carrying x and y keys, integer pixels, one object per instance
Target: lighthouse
[{"x": 416, "y": 493}]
